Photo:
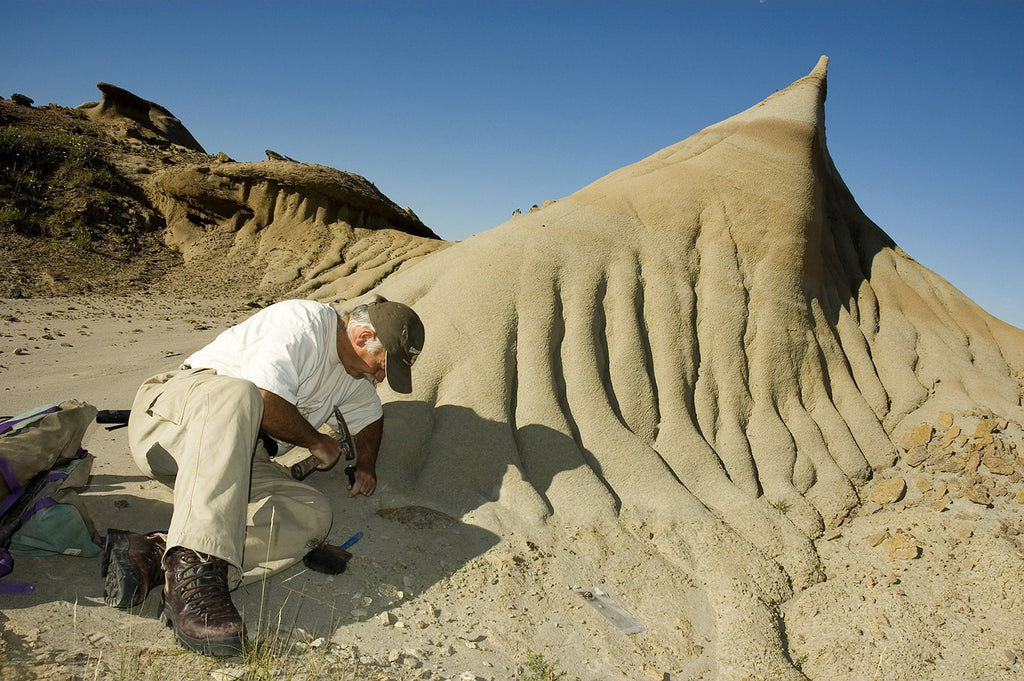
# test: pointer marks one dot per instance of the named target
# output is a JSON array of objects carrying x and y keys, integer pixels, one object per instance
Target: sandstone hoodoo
[
  {"x": 139, "y": 118},
  {"x": 684, "y": 374}
]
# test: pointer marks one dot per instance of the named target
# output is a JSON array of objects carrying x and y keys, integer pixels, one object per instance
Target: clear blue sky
[{"x": 465, "y": 110}]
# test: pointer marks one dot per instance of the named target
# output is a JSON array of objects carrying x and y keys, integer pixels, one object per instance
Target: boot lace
[{"x": 202, "y": 582}]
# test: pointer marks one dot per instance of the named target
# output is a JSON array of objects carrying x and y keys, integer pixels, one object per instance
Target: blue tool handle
[{"x": 351, "y": 540}]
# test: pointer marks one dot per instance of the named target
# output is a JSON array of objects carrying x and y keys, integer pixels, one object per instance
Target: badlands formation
[{"x": 705, "y": 388}]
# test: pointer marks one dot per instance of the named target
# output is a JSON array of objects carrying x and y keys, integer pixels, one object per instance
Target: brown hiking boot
[
  {"x": 197, "y": 604},
  {"x": 131, "y": 567}
]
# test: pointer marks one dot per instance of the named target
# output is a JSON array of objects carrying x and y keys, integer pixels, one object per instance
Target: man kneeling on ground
[{"x": 263, "y": 385}]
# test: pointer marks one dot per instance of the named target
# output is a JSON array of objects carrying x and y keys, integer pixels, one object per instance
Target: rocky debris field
[{"x": 925, "y": 578}]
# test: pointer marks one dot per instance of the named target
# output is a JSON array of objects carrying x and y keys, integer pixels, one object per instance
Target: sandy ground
[
  {"x": 378, "y": 614},
  {"x": 417, "y": 601},
  {"x": 432, "y": 597}
]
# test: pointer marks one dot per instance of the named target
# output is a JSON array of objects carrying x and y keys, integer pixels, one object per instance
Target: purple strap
[
  {"x": 12, "y": 484},
  {"x": 46, "y": 501},
  {"x": 12, "y": 423},
  {"x": 10, "y": 586},
  {"x": 5, "y": 468}
]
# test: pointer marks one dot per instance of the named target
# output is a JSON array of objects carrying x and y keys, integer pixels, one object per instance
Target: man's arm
[
  {"x": 283, "y": 421},
  {"x": 367, "y": 446}
]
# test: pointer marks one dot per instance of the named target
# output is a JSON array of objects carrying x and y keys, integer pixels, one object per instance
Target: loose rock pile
[{"x": 978, "y": 466}]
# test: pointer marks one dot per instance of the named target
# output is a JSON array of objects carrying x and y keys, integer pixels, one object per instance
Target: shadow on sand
[{"x": 410, "y": 541}]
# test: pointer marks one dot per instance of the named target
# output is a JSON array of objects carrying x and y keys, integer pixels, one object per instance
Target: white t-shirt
[{"x": 290, "y": 348}]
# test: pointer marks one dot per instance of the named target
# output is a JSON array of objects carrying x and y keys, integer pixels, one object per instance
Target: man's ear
[{"x": 364, "y": 336}]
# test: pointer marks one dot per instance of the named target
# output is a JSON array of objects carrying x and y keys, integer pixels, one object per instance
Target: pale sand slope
[{"x": 683, "y": 384}]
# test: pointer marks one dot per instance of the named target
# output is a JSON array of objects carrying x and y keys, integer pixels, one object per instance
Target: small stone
[
  {"x": 916, "y": 456},
  {"x": 889, "y": 491},
  {"x": 21, "y": 100},
  {"x": 386, "y": 619},
  {"x": 917, "y": 436},
  {"x": 951, "y": 434},
  {"x": 1010, "y": 657},
  {"x": 228, "y": 673},
  {"x": 940, "y": 504},
  {"x": 21, "y": 351},
  {"x": 979, "y": 495},
  {"x": 876, "y": 539},
  {"x": 901, "y": 546},
  {"x": 973, "y": 461},
  {"x": 923, "y": 485},
  {"x": 997, "y": 465},
  {"x": 985, "y": 427},
  {"x": 945, "y": 419},
  {"x": 835, "y": 533},
  {"x": 1020, "y": 496}
]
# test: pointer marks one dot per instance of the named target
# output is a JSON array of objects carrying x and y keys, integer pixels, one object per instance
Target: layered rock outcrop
[
  {"x": 138, "y": 118},
  {"x": 298, "y": 229}
]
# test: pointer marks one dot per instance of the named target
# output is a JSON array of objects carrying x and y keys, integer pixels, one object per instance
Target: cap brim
[{"x": 398, "y": 371}]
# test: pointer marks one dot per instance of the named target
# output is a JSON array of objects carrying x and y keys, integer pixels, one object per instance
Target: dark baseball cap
[{"x": 401, "y": 333}]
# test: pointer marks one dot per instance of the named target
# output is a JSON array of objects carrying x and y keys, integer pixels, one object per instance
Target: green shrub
[
  {"x": 11, "y": 218},
  {"x": 48, "y": 181}
]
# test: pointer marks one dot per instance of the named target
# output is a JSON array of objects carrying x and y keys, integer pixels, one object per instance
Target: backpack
[{"x": 41, "y": 461}]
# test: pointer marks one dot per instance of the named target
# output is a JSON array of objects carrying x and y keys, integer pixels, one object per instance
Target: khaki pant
[{"x": 230, "y": 500}]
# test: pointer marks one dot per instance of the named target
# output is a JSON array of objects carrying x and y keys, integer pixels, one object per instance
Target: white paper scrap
[{"x": 612, "y": 611}]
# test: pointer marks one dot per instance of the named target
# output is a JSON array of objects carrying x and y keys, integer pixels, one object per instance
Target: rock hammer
[{"x": 348, "y": 451}]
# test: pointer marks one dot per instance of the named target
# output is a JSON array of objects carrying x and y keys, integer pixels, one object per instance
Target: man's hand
[
  {"x": 367, "y": 446},
  {"x": 327, "y": 450},
  {"x": 282, "y": 420},
  {"x": 365, "y": 482}
]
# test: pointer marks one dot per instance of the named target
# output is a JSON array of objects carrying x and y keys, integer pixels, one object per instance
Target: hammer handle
[{"x": 303, "y": 468}]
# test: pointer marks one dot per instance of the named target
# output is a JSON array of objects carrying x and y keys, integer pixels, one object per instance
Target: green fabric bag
[
  {"x": 55, "y": 529},
  {"x": 56, "y": 521}
]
